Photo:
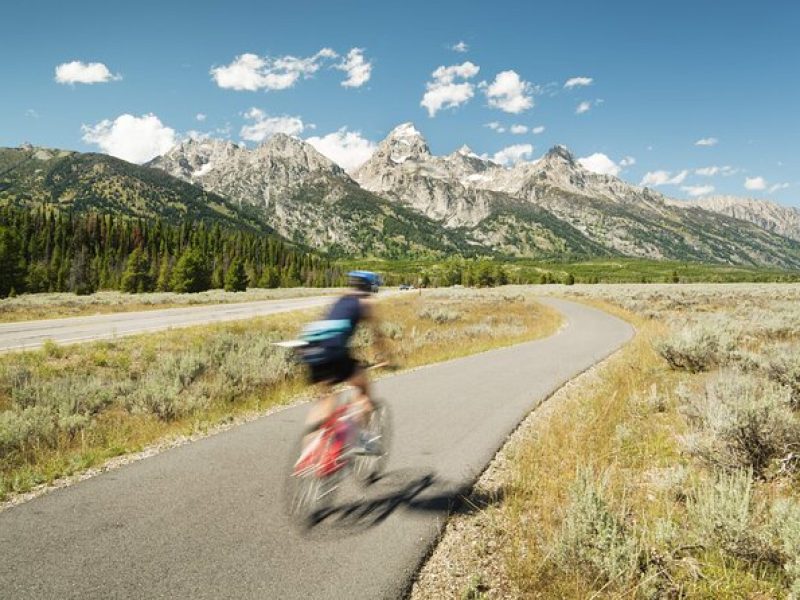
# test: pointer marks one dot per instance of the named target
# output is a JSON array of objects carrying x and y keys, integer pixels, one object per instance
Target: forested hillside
[{"x": 42, "y": 249}]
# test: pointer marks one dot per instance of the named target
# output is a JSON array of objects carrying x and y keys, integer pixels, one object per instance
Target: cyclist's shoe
[{"x": 367, "y": 444}]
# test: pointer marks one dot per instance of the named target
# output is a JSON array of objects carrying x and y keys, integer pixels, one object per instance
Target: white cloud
[
  {"x": 578, "y": 82},
  {"x": 460, "y": 47},
  {"x": 697, "y": 190},
  {"x": 252, "y": 72},
  {"x": 444, "y": 92},
  {"x": 709, "y": 141},
  {"x": 655, "y": 178},
  {"x": 80, "y": 72},
  {"x": 513, "y": 154},
  {"x": 628, "y": 161},
  {"x": 200, "y": 117},
  {"x": 496, "y": 126},
  {"x": 357, "y": 68},
  {"x": 583, "y": 107},
  {"x": 755, "y": 183},
  {"x": 264, "y": 127},
  {"x": 31, "y": 113},
  {"x": 135, "y": 139},
  {"x": 519, "y": 129},
  {"x": 346, "y": 148},
  {"x": 778, "y": 186},
  {"x": 509, "y": 93},
  {"x": 713, "y": 170},
  {"x": 600, "y": 163},
  {"x": 538, "y": 129}
]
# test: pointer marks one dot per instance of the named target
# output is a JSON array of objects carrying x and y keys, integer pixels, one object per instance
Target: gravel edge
[{"x": 467, "y": 561}]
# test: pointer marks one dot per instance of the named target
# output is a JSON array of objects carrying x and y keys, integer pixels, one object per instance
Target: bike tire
[
  {"x": 306, "y": 496},
  {"x": 369, "y": 467}
]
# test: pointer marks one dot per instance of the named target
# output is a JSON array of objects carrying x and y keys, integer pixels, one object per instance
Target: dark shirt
[{"x": 346, "y": 308}]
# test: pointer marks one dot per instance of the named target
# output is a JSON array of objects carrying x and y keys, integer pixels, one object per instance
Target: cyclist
[{"x": 328, "y": 354}]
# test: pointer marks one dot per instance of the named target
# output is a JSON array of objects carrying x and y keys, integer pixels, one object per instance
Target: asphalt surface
[
  {"x": 206, "y": 520},
  {"x": 32, "y": 334}
]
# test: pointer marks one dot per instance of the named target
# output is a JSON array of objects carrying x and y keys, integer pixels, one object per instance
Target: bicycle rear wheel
[{"x": 369, "y": 466}]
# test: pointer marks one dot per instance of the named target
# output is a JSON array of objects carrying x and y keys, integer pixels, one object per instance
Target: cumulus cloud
[
  {"x": 656, "y": 178},
  {"x": 358, "y": 69},
  {"x": 31, "y": 113},
  {"x": 519, "y": 129},
  {"x": 697, "y": 190},
  {"x": 252, "y": 72},
  {"x": 510, "y": 93},
  {"x": 709, "y": 141},
  {"x": 80, "y": 72},
  {"x": 131, "y": 138},
  {"x": 348, "y": 149},
  {"x": 778, "y": 186},
  {"x": 513, "y": 154},
  {"x": 583, "y": 107},
  {"x": 495, "y": 126},
  {"x": 460, "y": 47},
  {"x": 755, "y": 183},
  {"x": 600, "y": 163},
  {"x": 577, "y": 82},
  {"x": 264, "y": 127},
  {"x": 445, "y": 92},
  {"x": 200, "y": 117},
  {"x": 628, "y": 161},
  {"x": 538, "y": 129},
  {"x": 715, "y": 170}
]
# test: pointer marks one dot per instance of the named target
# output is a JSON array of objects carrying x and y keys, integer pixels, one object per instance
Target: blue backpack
[{"x": 316, "y": 334}]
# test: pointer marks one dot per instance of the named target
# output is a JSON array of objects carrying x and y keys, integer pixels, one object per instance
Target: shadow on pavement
[{"x": 400, "y": 490}]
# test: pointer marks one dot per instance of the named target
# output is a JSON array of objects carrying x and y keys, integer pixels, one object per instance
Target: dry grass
[
  {"x": 64, "y": 409},
  {"x": 672, "y": 472},
  {"x": 54, "y": 305}
]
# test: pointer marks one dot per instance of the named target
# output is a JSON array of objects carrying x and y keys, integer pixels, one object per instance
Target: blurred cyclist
[{"x": 328, "y": 351}]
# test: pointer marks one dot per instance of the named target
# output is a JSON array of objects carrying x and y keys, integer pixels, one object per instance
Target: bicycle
[{"x": 317, "y": 470}]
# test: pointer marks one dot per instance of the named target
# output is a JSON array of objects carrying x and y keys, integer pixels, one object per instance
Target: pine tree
[
  {"x": 136, "y": 277},
  {"x": 236, "y": 277},
  {"x": 10, "y": 263},
  {"x": 164, "y": 274},
  {"x": 191, "y": 273}
]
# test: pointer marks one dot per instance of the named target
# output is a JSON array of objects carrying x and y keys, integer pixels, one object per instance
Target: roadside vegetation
[
  {"x": 65, "y": 409},
  {"x": 568, "y": 270},
  {"x": 670, "y": 471}
]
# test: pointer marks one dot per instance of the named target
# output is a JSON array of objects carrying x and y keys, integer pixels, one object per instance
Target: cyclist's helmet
[{"x": 366, "y": 281}]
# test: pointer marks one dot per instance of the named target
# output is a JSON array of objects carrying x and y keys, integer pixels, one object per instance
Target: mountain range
[{"x": 405, "y": 201}]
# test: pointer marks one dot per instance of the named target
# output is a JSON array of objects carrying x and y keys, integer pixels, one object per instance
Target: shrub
[
  {"x": 697, "y": 347},
  {"x": 439, "y": 315},
  {"x": 783, "y": 366},
  {"x": 743, "y": 421},
  {"x": 786, "y": 525},
  {"x": 721, "y": 514},
  {"x": 593, "y": 538}
]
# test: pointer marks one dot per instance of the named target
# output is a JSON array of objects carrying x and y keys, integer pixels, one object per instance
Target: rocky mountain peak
[
  {"x": 404, "y": 142},
  {"x": 560, "y": 153}
]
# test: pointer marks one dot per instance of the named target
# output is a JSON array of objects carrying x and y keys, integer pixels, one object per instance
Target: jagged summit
[
  {"x": 404, "y": 131},
  {"x": 560, "y": 152}
]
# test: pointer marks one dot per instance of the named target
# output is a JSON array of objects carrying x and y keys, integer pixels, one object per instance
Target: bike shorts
[{"x": 337, "y": 370}]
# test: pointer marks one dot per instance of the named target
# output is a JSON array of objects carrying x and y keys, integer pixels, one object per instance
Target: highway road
[
  {"x": 32, "y": 334},
  {"x": 206, "y": 520}
]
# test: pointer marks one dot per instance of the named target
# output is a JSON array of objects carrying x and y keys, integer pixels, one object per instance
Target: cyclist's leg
[{"x": 362, "y": 398}]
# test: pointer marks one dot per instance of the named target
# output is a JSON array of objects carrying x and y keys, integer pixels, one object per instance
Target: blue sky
[{"x": 663, "y": 77}]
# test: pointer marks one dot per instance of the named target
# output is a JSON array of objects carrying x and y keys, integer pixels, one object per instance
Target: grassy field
[
  {"x": 50, "y": 306},
  {"x": 670, "y": 472},
  {"x": 65, "y": 409},
  {"x": 617, "y": 270}
]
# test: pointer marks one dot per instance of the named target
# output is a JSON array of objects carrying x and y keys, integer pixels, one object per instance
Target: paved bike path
[
  {"x": 205, "y": 520},
  {"x": 71, "y": 330}
]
